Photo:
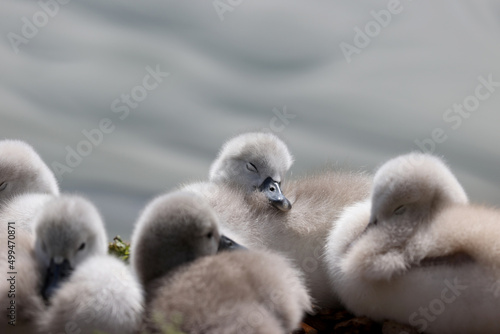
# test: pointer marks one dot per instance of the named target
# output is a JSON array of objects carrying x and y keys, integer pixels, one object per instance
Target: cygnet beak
[
  {"x": 226, "y": 244},
  {"x": 56, "y": 274},
  {"x": 273, "y": 192}
]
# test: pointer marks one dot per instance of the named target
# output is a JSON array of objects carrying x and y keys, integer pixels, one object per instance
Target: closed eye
[
  {"x": 400, "y": 210},
  {"x": 3, "y": 185},
  {"x": 251, "y": 167},
  {"x": 82, "y": 246}
]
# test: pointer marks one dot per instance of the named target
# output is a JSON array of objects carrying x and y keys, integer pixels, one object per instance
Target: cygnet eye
[
  {"x": 210, "y": 235},
  {"x": 82, "y": 246},
  {"x": 3, "y": 185},
  {"x": 400, "y": 210},
  {"x": 251, "y": 167}
]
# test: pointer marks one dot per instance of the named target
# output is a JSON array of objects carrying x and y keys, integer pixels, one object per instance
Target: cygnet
[
  {"x": 23, "y": 171},
  {"x": 85, "y": 289},
  {"x": 299, "y": 233},
  {"x": 418, "y": 253},
  {"x": 191, "y": 287}
]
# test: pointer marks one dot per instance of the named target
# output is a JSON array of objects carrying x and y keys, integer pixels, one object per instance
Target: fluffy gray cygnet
[
  {"x": 248, "y": 217},
  {"x": 418, "y": 253},
  {"x": 193, "y": 287},
  {"x": 85, "y": 289},
  {"x": 26, "y": 184},
  {"x": 23, "y": 171}
]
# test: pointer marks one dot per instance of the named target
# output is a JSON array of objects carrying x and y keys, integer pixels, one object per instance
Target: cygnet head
[
  {"x": 254, "y": 161},
  {"x": 23, "y": 171},
  {"x": 173, "y": 230},
  {"x": 411, "y": 188},
  {"x": 68, "y": 230}
]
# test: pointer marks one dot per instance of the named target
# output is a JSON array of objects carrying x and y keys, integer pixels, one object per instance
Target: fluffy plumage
[
  {"x": 21, "y": 210},
  {"x": 65, "y": 225},
  {"x": 23, "y": 171},
  {"x": 248, "y": 159},
  {"x": 232, "y": 292},
  {"x": 173, "y": 229},
  {"x": 174, "y": 246},
  {"x": 28, "y": 302},
  {"x": 26, "y": 184},
  {"x": 98, "y": 292},
  {"x": 418, "y": 253},
  {"x": 101, "y": 294},
  {"x": 300, "y": 233}
]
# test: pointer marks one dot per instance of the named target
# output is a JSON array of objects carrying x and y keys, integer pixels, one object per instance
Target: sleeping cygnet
[
  {"x": 85, "y": 289},
  {"x": 249, "y": 217},
  {"x": 251, "y": 164},
  {"x": 191, "y": 288},
  {"x": 23, "y": 171},
  {"x": 26, "y": 183},
  {"x": 255, "y": 161},
  {"x": 418, "y": 253}
]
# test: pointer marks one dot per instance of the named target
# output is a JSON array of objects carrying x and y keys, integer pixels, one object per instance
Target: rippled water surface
[{"x": 70, "y": 68}]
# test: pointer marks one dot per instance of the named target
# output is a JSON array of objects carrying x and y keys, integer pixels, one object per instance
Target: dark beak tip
[
  {"x": 283, "y": 206},
  {"x": 226, "y": 244},
  {"x": 281, "y": 202}
]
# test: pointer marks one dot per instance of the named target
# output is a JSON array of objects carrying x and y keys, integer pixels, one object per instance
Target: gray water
[{"x": 237, "y": 69}]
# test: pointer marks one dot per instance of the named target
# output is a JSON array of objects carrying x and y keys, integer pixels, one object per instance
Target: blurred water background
[{"x": 349, "y": 82}]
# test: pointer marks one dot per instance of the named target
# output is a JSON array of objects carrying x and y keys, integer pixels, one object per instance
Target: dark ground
[{"x": 343, "y": 322}]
